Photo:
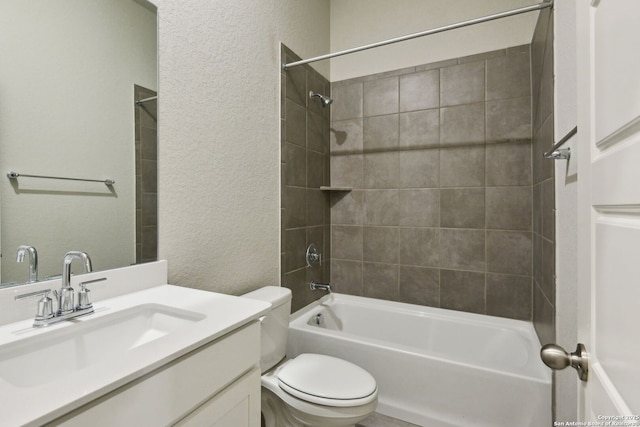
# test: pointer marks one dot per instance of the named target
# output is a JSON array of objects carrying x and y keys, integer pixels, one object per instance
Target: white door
[{"x": 609, "y": 208}]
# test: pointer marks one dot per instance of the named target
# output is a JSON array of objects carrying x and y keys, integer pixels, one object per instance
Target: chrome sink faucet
[
  {"x": 65, "y": 297},
  {"x": 66, "y": 294},
  {"x": 33, "y": 261}
]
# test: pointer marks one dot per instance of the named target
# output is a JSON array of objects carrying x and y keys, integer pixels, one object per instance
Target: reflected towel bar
[
  {"x": 564, "y": 153},
  {"x": 15, "y": 175},
  {"x": 142, "y": 101}
]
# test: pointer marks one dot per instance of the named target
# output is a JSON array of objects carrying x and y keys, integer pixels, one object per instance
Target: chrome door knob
[{"x": 557, "y": 358}]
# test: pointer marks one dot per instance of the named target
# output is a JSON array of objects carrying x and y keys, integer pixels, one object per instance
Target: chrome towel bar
[
  {"x": 561, "y": 153},
  {"x": 15, "y": 175}
]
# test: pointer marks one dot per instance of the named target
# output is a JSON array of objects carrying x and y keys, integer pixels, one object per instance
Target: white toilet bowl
[
  {"x": 312, "y": 390},
  {"x": 317, "y": 390}
]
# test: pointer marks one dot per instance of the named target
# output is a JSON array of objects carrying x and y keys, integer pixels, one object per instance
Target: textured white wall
[
  {"x": 566, "y": 202},
  {"x": 359, "y": 22},
  {"x": 67, "y": 70},
  {"x": 219, "y": 136}
]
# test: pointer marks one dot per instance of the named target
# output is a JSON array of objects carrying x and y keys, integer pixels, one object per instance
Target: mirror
[{"x": 70, "y": 72}]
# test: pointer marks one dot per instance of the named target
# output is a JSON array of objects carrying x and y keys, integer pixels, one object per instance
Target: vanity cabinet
[{"x": 217, "y": 385}]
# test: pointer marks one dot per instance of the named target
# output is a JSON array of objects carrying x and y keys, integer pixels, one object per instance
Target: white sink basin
[
  {"x": 88, "y": 342},
  {"x": 71, "y": 363}
]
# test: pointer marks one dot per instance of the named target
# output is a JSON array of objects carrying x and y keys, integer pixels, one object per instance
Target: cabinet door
[{"x": 236, "y": 406}]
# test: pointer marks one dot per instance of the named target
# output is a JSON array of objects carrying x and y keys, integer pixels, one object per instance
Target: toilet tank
[{"x": 274, "y": 325}]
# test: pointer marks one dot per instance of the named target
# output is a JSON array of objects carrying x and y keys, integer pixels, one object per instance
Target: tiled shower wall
[
  {"x": 439, "y": 159},
  {"x": 146, "y": 151},
  {"x": 305, "y": 164},
  {"x": 543, "y": 179}
]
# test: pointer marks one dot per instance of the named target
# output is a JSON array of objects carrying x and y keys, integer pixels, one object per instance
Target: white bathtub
[{"x": 434, "y": 367}]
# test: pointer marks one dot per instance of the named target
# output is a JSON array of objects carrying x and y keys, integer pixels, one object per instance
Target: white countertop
[{"x": 39, "y": 404}]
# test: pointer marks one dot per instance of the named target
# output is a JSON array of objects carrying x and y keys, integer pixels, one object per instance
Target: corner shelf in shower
[{"x": 329, "y": 188}]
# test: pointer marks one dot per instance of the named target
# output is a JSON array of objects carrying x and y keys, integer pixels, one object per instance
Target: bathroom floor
[{"x": 379, "y": 420}]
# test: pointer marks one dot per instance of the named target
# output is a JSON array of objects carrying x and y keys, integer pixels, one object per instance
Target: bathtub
[{"x": 434, "y": 367}]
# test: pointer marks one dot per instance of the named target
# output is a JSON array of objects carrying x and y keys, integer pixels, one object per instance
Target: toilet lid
[{"x": 327, "y": 380}]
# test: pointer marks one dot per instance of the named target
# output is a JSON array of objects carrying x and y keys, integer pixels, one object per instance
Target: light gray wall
[
  {"x": 219, "y": 135},
  {"x": 361, "y": 22}
]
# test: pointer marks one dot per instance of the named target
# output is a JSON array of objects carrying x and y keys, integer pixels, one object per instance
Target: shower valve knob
[{"x": 313, "y": 256}]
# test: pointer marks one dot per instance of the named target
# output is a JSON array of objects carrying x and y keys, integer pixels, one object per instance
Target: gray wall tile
[
  {"x": 462, "y": 167},
  {"x": 419, "y": 246},
  {"x": 380, "y": 281},
  {"x": 508, "y": 76},
  {"x": 509, "y": 208},
  {"x": 380, "y": 244},
  {"x": 315, "y": 169},
  {"x": 462, "y": 249},
  {"x": 542, "y": 141},
  {"x": 462, "y": 125},
  {"x": 346, "y": 242},
  {"x": 420, "y": 91},
  {"x": 509, "y": 120},
  {"x": 462, "y": 290},
  {"x": 419, "y": 208},
  {"x": 295, "y": 165},
  {"x": 296, "y": 124},
  {"x": 347, "y": 170},
  {"x": 432, "y": 229},
  {"x": 347, "y": 137},
  {"x": 509, "y": 296},
  {"x": 347, "y": 207},
  {"x": 419, "y": 285},
  {"x": 380, "y": 133},
  {"x": 346, "y": 276},
  {"x": 296, "y": 89},
  {"x": 509, "y": 252},
  {"x": 317, "y": 133},
  {"x": 381, "y": 170},
  {"x": 548, "y": 209},
  {"x": 452, "y": 92},
  {"x": 419, "y": 168},
  {"x": 543, "y": 317},
  {"x": 295, "y": 248},
  {"x": 509, "y": 164},
  {"x": 381, "y": 207},
  {"x": 419, "y": 129},
  {"x": 347, "y": 101},
  {"x": 462, "y": 208},
  {"x": 381, "y": 96},
  {"x": 294, "y": 202},
  {"x": 305, "y": 162},
  {"x": 317, "y": 202}
]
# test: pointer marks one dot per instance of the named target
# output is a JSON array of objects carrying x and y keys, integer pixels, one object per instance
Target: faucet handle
[
  {"x": 45, "y": 304},
  {"x": 84, "y": 297}
]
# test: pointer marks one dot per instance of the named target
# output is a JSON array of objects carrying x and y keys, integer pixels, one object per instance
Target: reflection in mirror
[{"x": 70, "y": 73}]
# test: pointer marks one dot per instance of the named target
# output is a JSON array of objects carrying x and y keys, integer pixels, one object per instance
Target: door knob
[{"x": 556, "y": 357}]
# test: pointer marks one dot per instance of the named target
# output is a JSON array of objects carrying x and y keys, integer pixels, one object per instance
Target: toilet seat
[{"x": 327, "y": 380}]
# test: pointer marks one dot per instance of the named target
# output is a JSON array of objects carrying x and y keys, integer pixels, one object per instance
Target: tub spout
[{"x": 320, "y": 286}]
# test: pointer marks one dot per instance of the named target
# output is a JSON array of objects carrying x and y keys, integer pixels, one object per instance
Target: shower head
[{"x": 324, "y": 99}]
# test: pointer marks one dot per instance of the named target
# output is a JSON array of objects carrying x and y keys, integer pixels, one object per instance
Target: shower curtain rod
[{"x": 532, "y": 8}]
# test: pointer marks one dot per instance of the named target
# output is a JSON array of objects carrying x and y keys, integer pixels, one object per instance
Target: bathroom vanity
[{"x": 154, "y": 353}]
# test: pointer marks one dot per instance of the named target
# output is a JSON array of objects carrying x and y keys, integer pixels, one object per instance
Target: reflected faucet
[
  {"x": 33, "y": 261},
  {"x": 65, "y": 297}
]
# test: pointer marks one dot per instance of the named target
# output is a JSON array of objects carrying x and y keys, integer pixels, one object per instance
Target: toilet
[{"x": 310, "y": 389}]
